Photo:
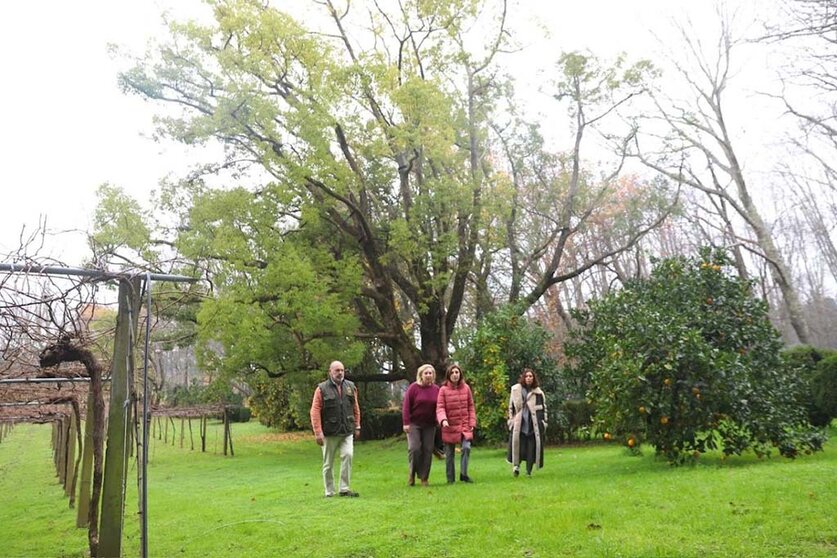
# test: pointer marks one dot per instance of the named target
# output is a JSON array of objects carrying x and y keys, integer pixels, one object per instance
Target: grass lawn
[{"x": 588, "y": 501}]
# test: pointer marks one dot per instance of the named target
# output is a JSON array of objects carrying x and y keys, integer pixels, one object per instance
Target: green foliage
[
  {"x": 284, "y": 303},
  {"x": 283, "y": 403},
  {"x": 374, "y": 395},
  {"x": 369, "y": 158},
  {"x": 584, "y": 78},
  {"x": 379, "y": 424},
  {"x": 185, "y": 396},
  {"x": 176, "y": 306},
  {"x": 502, "y": 346},
  {"x": 222, "y": 389},
  {"x": 120, "y": 223},
  {"x": 375, "y": 173},
  {"x": 579, "y": 419},
  {"x": 818, "y": 394},
  {"x": 102, "y": 325},
  {"x": 688, "y": 361},
  {"x": 237, "y": 413},
  {"x": 269, "y": 401},
  {"x": 824, "y": 388},
  {"x": 803, "y": 358}
]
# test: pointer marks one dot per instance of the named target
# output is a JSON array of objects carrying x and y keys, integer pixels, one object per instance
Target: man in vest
[{"x": 335, "y": 417}]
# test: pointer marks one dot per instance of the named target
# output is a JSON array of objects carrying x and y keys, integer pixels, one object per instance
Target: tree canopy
[
  {"x": 384, "y": 184},
  {"x": 688, "y": 361}
]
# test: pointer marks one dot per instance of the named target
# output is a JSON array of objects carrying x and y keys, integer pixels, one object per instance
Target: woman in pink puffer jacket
[{"x": 456, "y": 415}]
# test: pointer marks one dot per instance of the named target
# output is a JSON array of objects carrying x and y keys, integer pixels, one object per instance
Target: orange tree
[{"x": 688, "y": 361}]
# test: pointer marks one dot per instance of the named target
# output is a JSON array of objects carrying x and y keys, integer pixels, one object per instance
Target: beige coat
[{"x": 536, "y": 403}]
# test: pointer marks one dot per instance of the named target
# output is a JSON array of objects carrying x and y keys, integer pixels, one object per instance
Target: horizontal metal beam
[
  {"x": 33, "y": 419},
  {"x": 32, "y": 403},
  {"x": 48, "y": 380},
  {"x": 92, "y": 273}
]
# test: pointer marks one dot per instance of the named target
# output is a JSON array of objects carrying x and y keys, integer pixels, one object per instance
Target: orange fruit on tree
[
  {"x": 631, "y": 442},
  {"x": 663, "y": 419}
]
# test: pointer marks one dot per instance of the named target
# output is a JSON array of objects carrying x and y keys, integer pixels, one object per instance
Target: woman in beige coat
[{"x": 527, "y": 423}]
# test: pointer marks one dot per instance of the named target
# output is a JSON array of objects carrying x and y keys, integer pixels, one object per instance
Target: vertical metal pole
[{"x": 144, "y": 488}]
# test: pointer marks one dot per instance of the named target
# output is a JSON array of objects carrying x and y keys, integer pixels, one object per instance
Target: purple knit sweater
[{"x": 420, "y": 405}]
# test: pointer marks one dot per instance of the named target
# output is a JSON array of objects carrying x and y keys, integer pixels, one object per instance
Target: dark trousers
[
  {"x": 527, "y": 450},
  {"x": 450, "y": 460}
]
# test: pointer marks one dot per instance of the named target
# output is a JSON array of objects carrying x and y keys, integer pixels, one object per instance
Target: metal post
[{"x": 144, "y": 487}]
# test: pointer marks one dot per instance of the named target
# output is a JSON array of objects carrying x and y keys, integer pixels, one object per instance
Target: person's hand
[
  {"x": 406, "y": 428},
  {"x": 357, "y": 433},
  {"x": 320, "y": 439},
  {"x": 445, "y": 423}
]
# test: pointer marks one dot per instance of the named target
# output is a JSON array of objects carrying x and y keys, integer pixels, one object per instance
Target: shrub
[
  {"x": 270, "y": 402},
  {"x": 285, "y": 403},
  {"x": 579, "y": 413},
  {"x": 184, "y": 396},
  {"x": 237, "y": 413},
  {"x": 803, "y": 361},
  {"x": 688, "y": 361},
  {"x": 824, "y": 388},
  {"x": 380, "y": 423},
  {"x": 197, "y": 393}
]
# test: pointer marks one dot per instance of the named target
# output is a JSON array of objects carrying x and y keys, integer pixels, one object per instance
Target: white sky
[{"x": 67, "y": 128}]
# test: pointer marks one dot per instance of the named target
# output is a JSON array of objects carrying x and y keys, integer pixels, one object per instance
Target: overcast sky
[{"x": 67, "y": 128}]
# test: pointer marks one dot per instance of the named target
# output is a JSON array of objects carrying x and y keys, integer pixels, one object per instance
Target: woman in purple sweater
[{"x": 419, "y": 420}]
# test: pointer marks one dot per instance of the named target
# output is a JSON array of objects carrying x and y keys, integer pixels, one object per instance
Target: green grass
[{"x": 588, "y": 501}]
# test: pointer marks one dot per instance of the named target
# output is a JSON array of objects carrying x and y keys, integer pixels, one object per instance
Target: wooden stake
[
  {"x": 116, "y": 456},
  {"x": 86, "y": 467}
]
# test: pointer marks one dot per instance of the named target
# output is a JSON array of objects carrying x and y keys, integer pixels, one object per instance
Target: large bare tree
[{"x": 700, "y": 151}]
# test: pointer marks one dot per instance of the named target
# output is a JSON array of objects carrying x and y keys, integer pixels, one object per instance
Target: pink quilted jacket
[{"x": 456, "y": 404}]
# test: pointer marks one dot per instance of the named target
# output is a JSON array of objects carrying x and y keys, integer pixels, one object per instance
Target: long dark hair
[
  {"x": 521, "y": 381},
  {"x": 451, "y": 367}
]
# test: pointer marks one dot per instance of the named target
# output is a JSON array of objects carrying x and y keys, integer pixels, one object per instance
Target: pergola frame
[{"x": 110, "y": 542}]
